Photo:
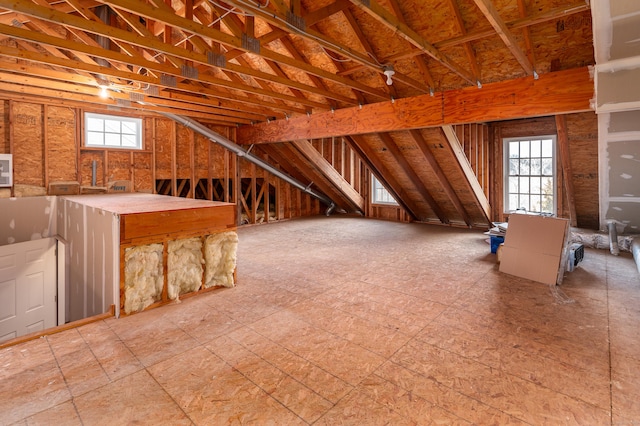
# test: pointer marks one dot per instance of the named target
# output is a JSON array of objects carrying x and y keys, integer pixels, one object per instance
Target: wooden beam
[
  {"x": 491, "y": 13},
  {"x": 553, "y": 93},
  {"x": 384, "y": 175},
  {"x": 442, "y": 178},
  {"x": 219, "y": 36},
  {"x": 330, "y": 173},
  {"x": 565, "y": 161},
  {"x": 465, "y": 167},
  {"x": 161, "y": 68},
  {"x": 399, "y": 157},
  {"x": 155, "y": 45},
  {"x": 381, "y": 15}
]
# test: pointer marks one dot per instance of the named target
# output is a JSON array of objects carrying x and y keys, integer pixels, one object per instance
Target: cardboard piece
[
  {"x": 119, "y": 186},
  {"x": 533, "y": 247},
  {"x": 64, "y": 188}
]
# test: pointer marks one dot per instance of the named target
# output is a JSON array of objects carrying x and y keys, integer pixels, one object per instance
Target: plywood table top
[{"x": 140, "y": 202}]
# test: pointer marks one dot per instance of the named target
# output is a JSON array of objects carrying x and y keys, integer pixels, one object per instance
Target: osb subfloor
[{"x": 351, "y": 321}]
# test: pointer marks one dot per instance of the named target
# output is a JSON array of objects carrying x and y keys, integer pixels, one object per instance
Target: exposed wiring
[
  {"x": 232, "y": 10},
  {"x": 334, "y": 59},
  {"x": 317, "y": 39}
]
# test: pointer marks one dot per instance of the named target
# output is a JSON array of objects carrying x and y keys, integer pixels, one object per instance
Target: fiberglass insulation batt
[
  {"x": 184, "y": 266},
  {"x": 143, "y": 279},
  {"x": 220, "y": 257}
]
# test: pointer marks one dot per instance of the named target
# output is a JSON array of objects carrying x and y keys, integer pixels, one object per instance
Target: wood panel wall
[
  {"x": 582, "y": 130},
  {"x": 46, "y": 143}
]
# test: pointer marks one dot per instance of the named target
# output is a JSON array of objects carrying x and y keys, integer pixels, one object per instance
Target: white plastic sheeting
[
  {"x": 143, "y": 277},
  {"x": 184, "y": 264},
  {"x": 220, "y": 258}
]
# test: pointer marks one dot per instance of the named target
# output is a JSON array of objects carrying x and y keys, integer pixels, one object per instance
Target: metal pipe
[
  {"x": 241, "y": 152},
  {"x": 613, "y": 238},
  {"x": 94, "y": 172}
]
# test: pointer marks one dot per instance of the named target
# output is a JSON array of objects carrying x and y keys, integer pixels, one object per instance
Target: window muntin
[
  {"x": 530, "y": 182},
  {"x": 379, "y": 194},
  {"x": 112, "y": 131}
]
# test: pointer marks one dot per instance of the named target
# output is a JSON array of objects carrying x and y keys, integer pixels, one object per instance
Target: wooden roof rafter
[
  {"x": 237, "y": 43},
  {"x": 280, "y": 21},
  {"x": 475, "y": 35},
  {"x": 384, "y": 175},
  {"x": 112, "y": 55},
  {"x": 471, "y": 56},
  {"x": 159, "y": 68},
  {"x": 416, "y": 183},
  {"x": 385, "y": 17},
  {"x": 237, "y": 27},
  {"x": 492, "y": 15}
]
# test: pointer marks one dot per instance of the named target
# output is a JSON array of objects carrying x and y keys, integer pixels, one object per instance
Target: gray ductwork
[{"x": 241, "y": 152}]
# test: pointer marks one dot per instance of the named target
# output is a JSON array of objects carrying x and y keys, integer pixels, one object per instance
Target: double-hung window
[
  {"x": 112, "y": 131},
  {"x": 530, "y": 174}
]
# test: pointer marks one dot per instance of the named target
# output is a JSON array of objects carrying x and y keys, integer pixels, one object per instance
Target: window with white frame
[
  {"x": 530, "y": 174},
  {"x": 380, "y": 195},
  {"x": 112, "y": 131}
]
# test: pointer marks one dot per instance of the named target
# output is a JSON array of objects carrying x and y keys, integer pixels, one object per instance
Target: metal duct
[
  {"x": 241, "y": 152},
  {"x": 613, "y": 239}
]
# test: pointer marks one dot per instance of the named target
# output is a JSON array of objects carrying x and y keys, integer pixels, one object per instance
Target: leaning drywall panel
[
  {"x": 220, "y": 259},
  {"x": 143, "y": 277},
  {"x": 184, "y": 266},
  {"x": 93, "y": 259},
  {"x": 27, "y": 219}
]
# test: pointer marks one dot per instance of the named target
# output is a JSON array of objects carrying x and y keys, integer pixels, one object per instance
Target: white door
[{"x": 27, "y": 287}]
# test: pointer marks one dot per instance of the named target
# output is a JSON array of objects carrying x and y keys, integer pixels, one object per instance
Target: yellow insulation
[
  {"x": 184, "y": 266},
  {"x": 220, "y": 259},
  {"x": 143, "y": 277}
]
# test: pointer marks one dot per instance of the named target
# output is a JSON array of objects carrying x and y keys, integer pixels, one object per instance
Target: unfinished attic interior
[{"x": 320, "y": 212}]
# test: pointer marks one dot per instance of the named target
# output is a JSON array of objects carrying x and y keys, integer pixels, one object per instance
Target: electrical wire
[
  {"x": 317, "y": 39},
  {"x": 335, "y": 59},
  {"x": 232, "y": 10}
]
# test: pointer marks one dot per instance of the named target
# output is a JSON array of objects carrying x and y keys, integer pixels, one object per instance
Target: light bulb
[
  {"x": 388, "y": 71},
  {"x": 103, "y": 92}
]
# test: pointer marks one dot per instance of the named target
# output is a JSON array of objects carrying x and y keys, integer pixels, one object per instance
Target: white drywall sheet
[
  {"x": 91, "y": 237},
  {"x": 27, "y": 219},
  {"x": 533, "y": 247}
]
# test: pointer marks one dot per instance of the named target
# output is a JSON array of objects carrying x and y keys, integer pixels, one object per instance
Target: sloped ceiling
[{"x": 252, "y": 62}]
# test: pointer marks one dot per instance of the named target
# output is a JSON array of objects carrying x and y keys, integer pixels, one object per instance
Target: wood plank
[
  {"x": 330, "y": 173},
  {"x": 380, "y": 14},
  {"x": 553, "y": 93},
  {"x": 176, "y": 223},
  {"x": 463, "y": 164},
  {"x": 491, "y": 13},
  {"x": 565, "y": 161}
]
